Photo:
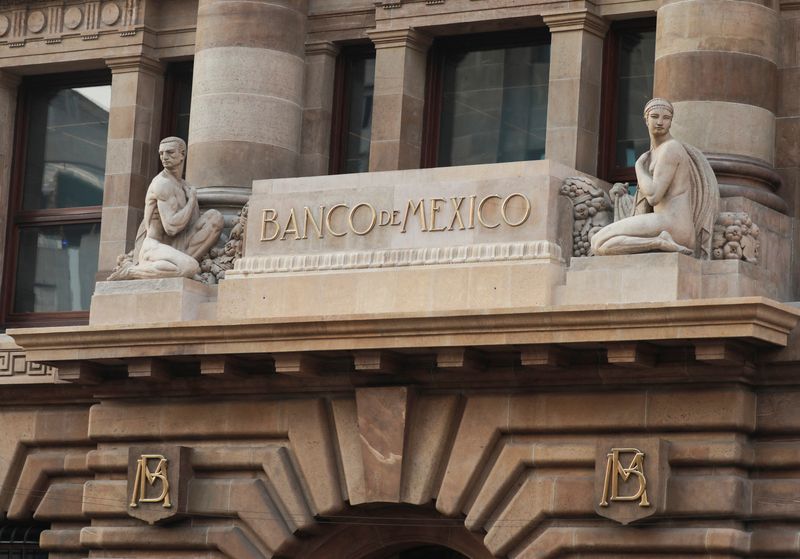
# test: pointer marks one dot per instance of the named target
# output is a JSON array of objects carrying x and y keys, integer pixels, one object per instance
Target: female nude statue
[{"x": 676, "y": 201}]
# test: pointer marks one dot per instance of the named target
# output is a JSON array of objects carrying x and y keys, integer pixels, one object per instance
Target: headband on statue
[{"x": 658, "y": 103}]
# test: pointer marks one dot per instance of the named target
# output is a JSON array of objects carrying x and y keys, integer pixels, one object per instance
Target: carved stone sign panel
[
  {"x": 157, "y": 482},
  {"x": 398, "y": 217},
  {"x": 630, "y": 478}
]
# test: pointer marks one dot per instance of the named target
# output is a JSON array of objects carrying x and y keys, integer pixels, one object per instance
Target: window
[
  {"x": 487, "y": 99},
  {"x": 352, "y": 110},
  {"x": 627, "y": 86},
  {"x": 21, "y": 541},
  {"x": 56, "y": 198},
  {"x": 177, "y": 100}
]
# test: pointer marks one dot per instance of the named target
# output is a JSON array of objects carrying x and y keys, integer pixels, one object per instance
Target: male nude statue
[{"x": 173, "y": 235}]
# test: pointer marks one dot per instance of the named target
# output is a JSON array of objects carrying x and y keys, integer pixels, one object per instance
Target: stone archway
[{"x": 382, "y": 532}]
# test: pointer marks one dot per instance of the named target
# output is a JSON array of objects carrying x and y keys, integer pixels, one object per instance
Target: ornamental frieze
[{"x": 53, "y": 22}]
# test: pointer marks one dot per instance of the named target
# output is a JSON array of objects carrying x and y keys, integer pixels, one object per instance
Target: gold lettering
[
  {"x": 480, "y": 212},
  {"x": 395, "y": 216},
  {"x": 307, "y": 216},
  {"x": 328, "y": 220},
  {"x": 371, "y": 223},
  {"x": 435, "y": 209},
  {"x": 526, "y": 214},
  {"x": 145, "y": 477},
  {"x": 471, "y": 212},
  {"x": 456, "y": 213},
  {"x": 385, "y": 218},
  {"x": 615, "y": 470},
  {"x": 419, "y": 208},
  {"x": 291, "y": 226},
  {"x": 273, "y": 220}
]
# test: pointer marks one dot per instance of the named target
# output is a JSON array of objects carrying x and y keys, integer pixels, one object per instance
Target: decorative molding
[
  {"x": 135, "y": 63},
  {"x": 322, "y": 48},
  {"x": 13, "y": 363},
  {"x": 33, "y": 21},
  {"x": 401, "y": 38},
  {"x": 581, "y": 20},
  {"x": 396, "y": 258}
]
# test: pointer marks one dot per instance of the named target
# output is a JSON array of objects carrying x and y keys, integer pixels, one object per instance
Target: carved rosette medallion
[
  {"x": 630, "y": 478},
  {"x": 5, "y": 25},
  {"x": 110, "y": 13},
  {"x": 36, "y": 21},
  {"x": 157, "y": 482},
  {"x": 73, "y": 16}
]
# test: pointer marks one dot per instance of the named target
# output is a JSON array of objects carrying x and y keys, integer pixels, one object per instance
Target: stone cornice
[
  {"x": 322, "y": 48},
  {"x": 755, "y": 320},
  {"x": 580, "y": 20},
  {"x": 135, "y": 63},
  {"x": 396, "y": 38}
]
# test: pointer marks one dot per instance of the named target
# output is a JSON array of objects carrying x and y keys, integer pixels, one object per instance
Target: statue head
[
  {"x": 658, "y": 116},
  {"x": 172, "y": 152}
]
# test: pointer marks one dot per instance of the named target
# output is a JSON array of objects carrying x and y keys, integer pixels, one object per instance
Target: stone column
[
  {"x": 716, "y": 60},
  {"x": 247, "y": 96},
  {"x": 318, "y": 107},
  {"x": 573, "y": 98},
  {"x": 397, "y": 111},
  {"x": 9, "y": 84},
  {"x": 134, "y": 124}
]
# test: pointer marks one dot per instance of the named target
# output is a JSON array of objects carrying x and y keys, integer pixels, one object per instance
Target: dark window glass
[
  {"x": 66, "y": 147},
  {"x": 487, "y": 99},
  {"x": 627, "y": 86},
  {"x": 56, "y": 199},
  {"x": 58, "y": 268},
  {"x": 177, "y": 100},
  {"x": 352, "y": 120},
  {"x": 637, "y": 53}
]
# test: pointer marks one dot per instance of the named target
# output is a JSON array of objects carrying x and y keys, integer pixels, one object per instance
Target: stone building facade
[{"x": 417, "y": 361}]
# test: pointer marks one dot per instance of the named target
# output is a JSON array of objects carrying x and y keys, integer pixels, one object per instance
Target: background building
[{"x": 441, "y": 409}]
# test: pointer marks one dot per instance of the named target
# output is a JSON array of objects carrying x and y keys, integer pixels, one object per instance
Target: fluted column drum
[
  {"x": 716, "y": 60},
  {"x": 247, "y": 95}
]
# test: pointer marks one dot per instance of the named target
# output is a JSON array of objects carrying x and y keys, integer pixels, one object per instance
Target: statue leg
[
  {"x": 624, "y": 244},
  {"x": 158, "y": 260},
  {"x": 203, "y": 234}
]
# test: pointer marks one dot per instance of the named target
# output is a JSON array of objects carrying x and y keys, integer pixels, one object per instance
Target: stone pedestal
[
  {"x": 663, "y": 277},
  {"x": 716, "y": 62},
  {"x": 151, "y": 301}
]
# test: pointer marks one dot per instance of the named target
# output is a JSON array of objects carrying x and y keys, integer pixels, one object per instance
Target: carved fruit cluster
[
  {"x": 591, "y": 211},
  {"x": 735, "y": 238}
]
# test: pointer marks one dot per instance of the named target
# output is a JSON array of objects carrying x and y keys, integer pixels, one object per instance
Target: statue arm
[
  {"x": 655, "y": 187},
  {"x": 174, "y": 221}
]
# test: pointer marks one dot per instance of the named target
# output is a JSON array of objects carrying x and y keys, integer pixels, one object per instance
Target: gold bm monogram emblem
[
  {"x": 145, "y": 477},
  {"x": 615, "y": 470}
]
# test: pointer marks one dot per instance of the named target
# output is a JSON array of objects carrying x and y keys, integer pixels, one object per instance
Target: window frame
[
  {"x": 609, "y": 100},
  {"x": 442, "y": 46},
  {"x": 19, "y": 218},
  {"x": 340, "y": 106}
]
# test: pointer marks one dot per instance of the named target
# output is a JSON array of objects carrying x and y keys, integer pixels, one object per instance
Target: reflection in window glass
[
  {"x": 494, "y": 105},
  {"x": 66, "y": 147},
  {"x": 635, "y": 88},
  {"x": 360, "y": 83},
  {"x": 56, "y": 267}
]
